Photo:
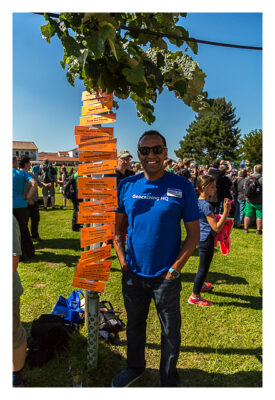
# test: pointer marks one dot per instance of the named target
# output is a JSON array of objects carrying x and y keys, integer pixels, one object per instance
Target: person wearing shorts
[
  {"x": 48, "y": 190},
  {"x": 251, "y": 209},
  {"x": 48, "y": 178},
  {"x": 19, "y": 333},
  {"x": 255, "y": 205}
]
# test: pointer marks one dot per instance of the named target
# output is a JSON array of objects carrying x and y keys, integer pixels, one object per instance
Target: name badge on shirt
[{"x": 174, "y": 193}]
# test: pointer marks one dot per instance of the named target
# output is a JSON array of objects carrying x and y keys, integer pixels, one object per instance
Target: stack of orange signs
[{"x": 97, "y": 157}]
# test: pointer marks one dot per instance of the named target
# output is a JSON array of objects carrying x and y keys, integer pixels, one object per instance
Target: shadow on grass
[
  {"x": 59, "y": 371},
  {"x": 257, "y": 352},
  {"x": 254, "y": 302},
  {"x": 59, "y": 243},
  {"x": 48, "y": 257},
  {"x": 216, "y": 278},
  {"x": 199, "y": 378}
]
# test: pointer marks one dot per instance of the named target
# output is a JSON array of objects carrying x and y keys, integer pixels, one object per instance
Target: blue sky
[{"x": 46, "y": 107}]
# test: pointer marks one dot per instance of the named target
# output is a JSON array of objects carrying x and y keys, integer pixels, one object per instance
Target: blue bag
[{"x": 70, "y": 307}]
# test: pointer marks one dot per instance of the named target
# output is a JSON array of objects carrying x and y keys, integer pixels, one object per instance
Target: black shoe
[
  {"x": 126, "y": 378},
  {"x": 37, "y": 238},
  {"x": 259, "y": 232}
]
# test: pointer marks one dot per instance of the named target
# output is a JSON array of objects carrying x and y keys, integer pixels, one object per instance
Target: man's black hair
[
  {"x": 152, "y": 132},
  {"x": 23, "y": 160}
]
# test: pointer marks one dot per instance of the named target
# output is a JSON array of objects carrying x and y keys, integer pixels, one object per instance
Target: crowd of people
[
  {"x": 230, "y": 183},
  {"x": 154, "y": 196}
]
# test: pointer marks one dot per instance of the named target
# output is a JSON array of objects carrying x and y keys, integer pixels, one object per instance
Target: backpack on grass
[
  {"x": 70, "y": 308},
  {"x": 109, "y": 322},
  {"x": 49, "y": 334},
  {"x": 252, "y": 187}
]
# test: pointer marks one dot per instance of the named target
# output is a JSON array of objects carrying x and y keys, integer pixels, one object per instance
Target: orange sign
[
  {"x": 99, "y": 271},
  {"x": 96, "y": 254},
  {"x": 96, "y": 234},
  {"x": 100, "y": 194},
  {"x": 103, "y": 145},
  {"x": 96, "y": 183},
  {"x": 97, "y": 205},
  {"x": 92, "y": 130},
  {"x": 89, "y": 96},
  {"x": 97, "y": 108},
  {"x": 97, "y": 231},
  {"x": 97, "y": 275},
  {"x": 103, "y": 266},
  {"x": 89, "y": 102},
  {"x": 98, "y": 119},
  {"x": 96, "y": 156},
  {"x": 96, "y": 218},
  {"x": 101, "y": 136},
  {"x": 98, "y": 167},
  {"x": 85, "y": 284}
]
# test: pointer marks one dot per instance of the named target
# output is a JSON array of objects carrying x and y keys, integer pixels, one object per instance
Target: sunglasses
[{"x": 145, "y": 150}]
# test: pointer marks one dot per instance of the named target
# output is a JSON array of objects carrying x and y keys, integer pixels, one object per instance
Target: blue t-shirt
[
  {"x": 19, "y": 180},
  {"x": 205, "y": 228},
  {"x": 154, "y": 210}
]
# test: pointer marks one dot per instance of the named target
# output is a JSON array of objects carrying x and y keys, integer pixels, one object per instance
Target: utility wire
[{"x": 171, "y": 36}]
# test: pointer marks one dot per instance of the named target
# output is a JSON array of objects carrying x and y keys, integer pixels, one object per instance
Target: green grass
[{"x": 221, "y": 345}]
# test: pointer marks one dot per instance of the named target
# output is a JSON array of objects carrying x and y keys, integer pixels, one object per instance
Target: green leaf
[
  {"x": 96, "y": 41},
  {"x": 85, "y": 53},
  {"x": 112, "y": 45},
  {"x": 134, "y": 75},
  {"x": 107, "y": 31},
  {"x": 181, "y": 87},
  {"x": 140, "y": 89},
  {"x": 73, "y": 19},
  {"x": 64, "y": 61},
  {"x": 70, "y": 78},
  {"x": 47, "y": 31},
  {"x": 193, "y": 46},
  {"x": 92, "y": 44},
  {"x": 71, "y": 47}
]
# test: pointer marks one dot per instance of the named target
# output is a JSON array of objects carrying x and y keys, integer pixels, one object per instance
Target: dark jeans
[
  {"x": 239, "y": 211},
  {"x": 138, "y": 292},
  {"x": 75, "y": 226},
  {"x": 35, "y": 218},
  {"x": 206, "y": 252},
  {"x": 22, "y": 216}
]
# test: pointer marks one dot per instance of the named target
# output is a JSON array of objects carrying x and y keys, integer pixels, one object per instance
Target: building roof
[
  {"x": 55, "y": 157},
  {"x": 24, "y": 145}
]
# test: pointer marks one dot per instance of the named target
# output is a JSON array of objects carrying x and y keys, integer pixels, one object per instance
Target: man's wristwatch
[{"x": 174, "y": 273}]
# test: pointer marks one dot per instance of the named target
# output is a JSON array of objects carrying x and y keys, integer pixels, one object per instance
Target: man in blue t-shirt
[
  {"x": 154, "y": 203},
  {"x": 20, "y": 207}
]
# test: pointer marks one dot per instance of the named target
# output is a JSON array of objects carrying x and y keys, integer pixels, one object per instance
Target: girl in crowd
[
  {"x": 63, "y": 176},
  {"x": 209, "y": 227},
  {"x": 239, "y": 200}
]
